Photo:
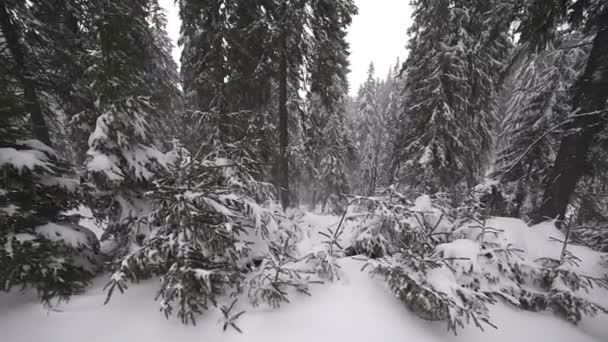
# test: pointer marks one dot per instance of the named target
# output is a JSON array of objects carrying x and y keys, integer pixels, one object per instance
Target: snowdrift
[{"x": 355, "y": 308}]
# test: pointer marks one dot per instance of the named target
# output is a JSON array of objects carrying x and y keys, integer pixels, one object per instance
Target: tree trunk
[
  {"x": 374, "y": 179},
  {"x": 591, "y": 93},
  {"x": 283, "y": 133},
  {"x": 32, "y": 106}
]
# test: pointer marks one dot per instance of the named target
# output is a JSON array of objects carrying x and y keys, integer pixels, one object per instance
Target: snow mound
[
  {"x": 23, "y": 159},
  {"x": 355, "y": 309},
  {"x": 461, "y": 248},
  {"x": 541, "y": 241},
  {"x": 72, "y": 235}
]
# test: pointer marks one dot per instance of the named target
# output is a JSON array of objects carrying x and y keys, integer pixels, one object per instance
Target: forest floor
[{"x": 355, "y": 308}]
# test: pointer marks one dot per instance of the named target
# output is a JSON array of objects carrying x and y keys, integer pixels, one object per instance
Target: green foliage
[
  {"x": 536, "y": 111},
  {"x": 457, "y": 52},
  {"x": 450, "y": 262},
  {"x": 39, "y": 246},
  {"x": 213, "y": 232},
  {"x": 408, "y": 276}
]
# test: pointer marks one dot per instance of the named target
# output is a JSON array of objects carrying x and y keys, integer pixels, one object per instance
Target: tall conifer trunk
[
  {"x": 32, "y": 106},
  {"x": 283, "y": 132},
  {"x": 590, "y": 95}
]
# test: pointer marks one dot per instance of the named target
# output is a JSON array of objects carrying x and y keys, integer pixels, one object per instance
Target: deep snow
[{"x": 355, "y": 308}]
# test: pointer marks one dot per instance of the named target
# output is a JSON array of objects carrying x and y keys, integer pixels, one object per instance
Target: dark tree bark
[
  {"x": 590, "y": 95},
  {"x": 10, "y": 32},
  {"x": 283, "y": 132}
]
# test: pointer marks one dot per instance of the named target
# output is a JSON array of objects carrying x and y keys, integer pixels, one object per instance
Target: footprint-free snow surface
[{"x": 355, "y": 308}]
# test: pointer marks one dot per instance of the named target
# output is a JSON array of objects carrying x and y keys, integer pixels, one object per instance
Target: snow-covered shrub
[
  {"x": 402, "y": 238},
  {"x": 529, "y": 267},
  {"x": 120, "y": 167},
  {"x": 213, "y": 232},
  {"x": 450, "y": 263},
  {"x": 593, "y": 235},
  {"x": 392, "y": 222},
  {"x": 39, "y": 246},
  {"x": 244, "y": 137},
  {"x": 429, "y": 288}
]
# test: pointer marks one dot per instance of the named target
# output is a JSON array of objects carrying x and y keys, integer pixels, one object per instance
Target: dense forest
[{"x": 196, "y": 173}]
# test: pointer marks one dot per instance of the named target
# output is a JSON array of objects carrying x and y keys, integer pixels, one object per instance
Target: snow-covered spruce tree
[
  {"x": 313, "y": 145},
  {"x": 324, "y": 144},
  {"x": 536, "y": 111},
  {"x": 203, "y": 71},
  {"x": 326, "y": 150},
  {"x": 588, "y": 208},
  {"x": 25, "y": 60},
  {"x": 215, "y": 233},
  {"x": 391, "y": 103},
  {"x": 229, "y": 72},
  {"x": 121, "y": 158},
  {"x": 227, "y": 83},
  {"x": 377, "y": 112},
  {"x": 368, "y": 130},
  {"x": 168, "y": 117},
  {"x": 227, "y": 68},
  {"x": 255, "y": 56},
  {"x": 452, "y": 73},
  {"x": 334, "y": 182},
  {"x": 401, "y": 239},
  {"x": 449, "y": 263},
  {"x": 508, "y": 272},
  {"x": 245, "y": 145},
  {"x": 309, "y": 44},
  {"x": 40, "y": 247},
  {"x": 588, "y": 96}
]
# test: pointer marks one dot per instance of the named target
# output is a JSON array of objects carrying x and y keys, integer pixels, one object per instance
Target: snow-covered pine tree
[
  {"x": 325, "y": 144},
  {"x": 131, "y": 84},
  {"x": 326, "y": 150},
  {"x": 399, "y": 237},
  {"x": 212, "y": 227},
  {"x": 40, "y": 246},
  {"x": 217, "y": 233},
  {"x": 377, "y": 110},
  {"x": 450, "y": 263},
  {"x": 555, "y": 40},
  {"x": 536, "y": 109},
  {"x": 205, "y": 221},
  {"x": 168, "y": 118},
  {"x": 588, "y": 96},
  {"x": 229, "y": 74},
  {"x": 367, "y": 139},
  {"x": 293, "y": 46},
  {"x": 50, "y": 42},
  {"x": 255, "y": 56},
  {"x": 452, "y": 73},
  {"x": 392, "y": 103},
  {"x": 334, "y": 180},
  {"x": 23, "y": 71},
  {"x": 314, "y": 145},
  {"x": 202, "y": 66},
  {"x": 328, "y": 63}
]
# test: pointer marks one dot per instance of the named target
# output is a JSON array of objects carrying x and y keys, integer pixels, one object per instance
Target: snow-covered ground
[{"x": 355, "y": 308}]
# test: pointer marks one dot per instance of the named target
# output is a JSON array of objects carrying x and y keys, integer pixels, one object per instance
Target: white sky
[
  {"x": 377, "y": 34},
  {"x": 173, "y": 24}
]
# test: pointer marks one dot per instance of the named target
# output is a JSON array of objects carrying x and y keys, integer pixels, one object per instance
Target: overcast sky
[{"x": 378, "y": 35}]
